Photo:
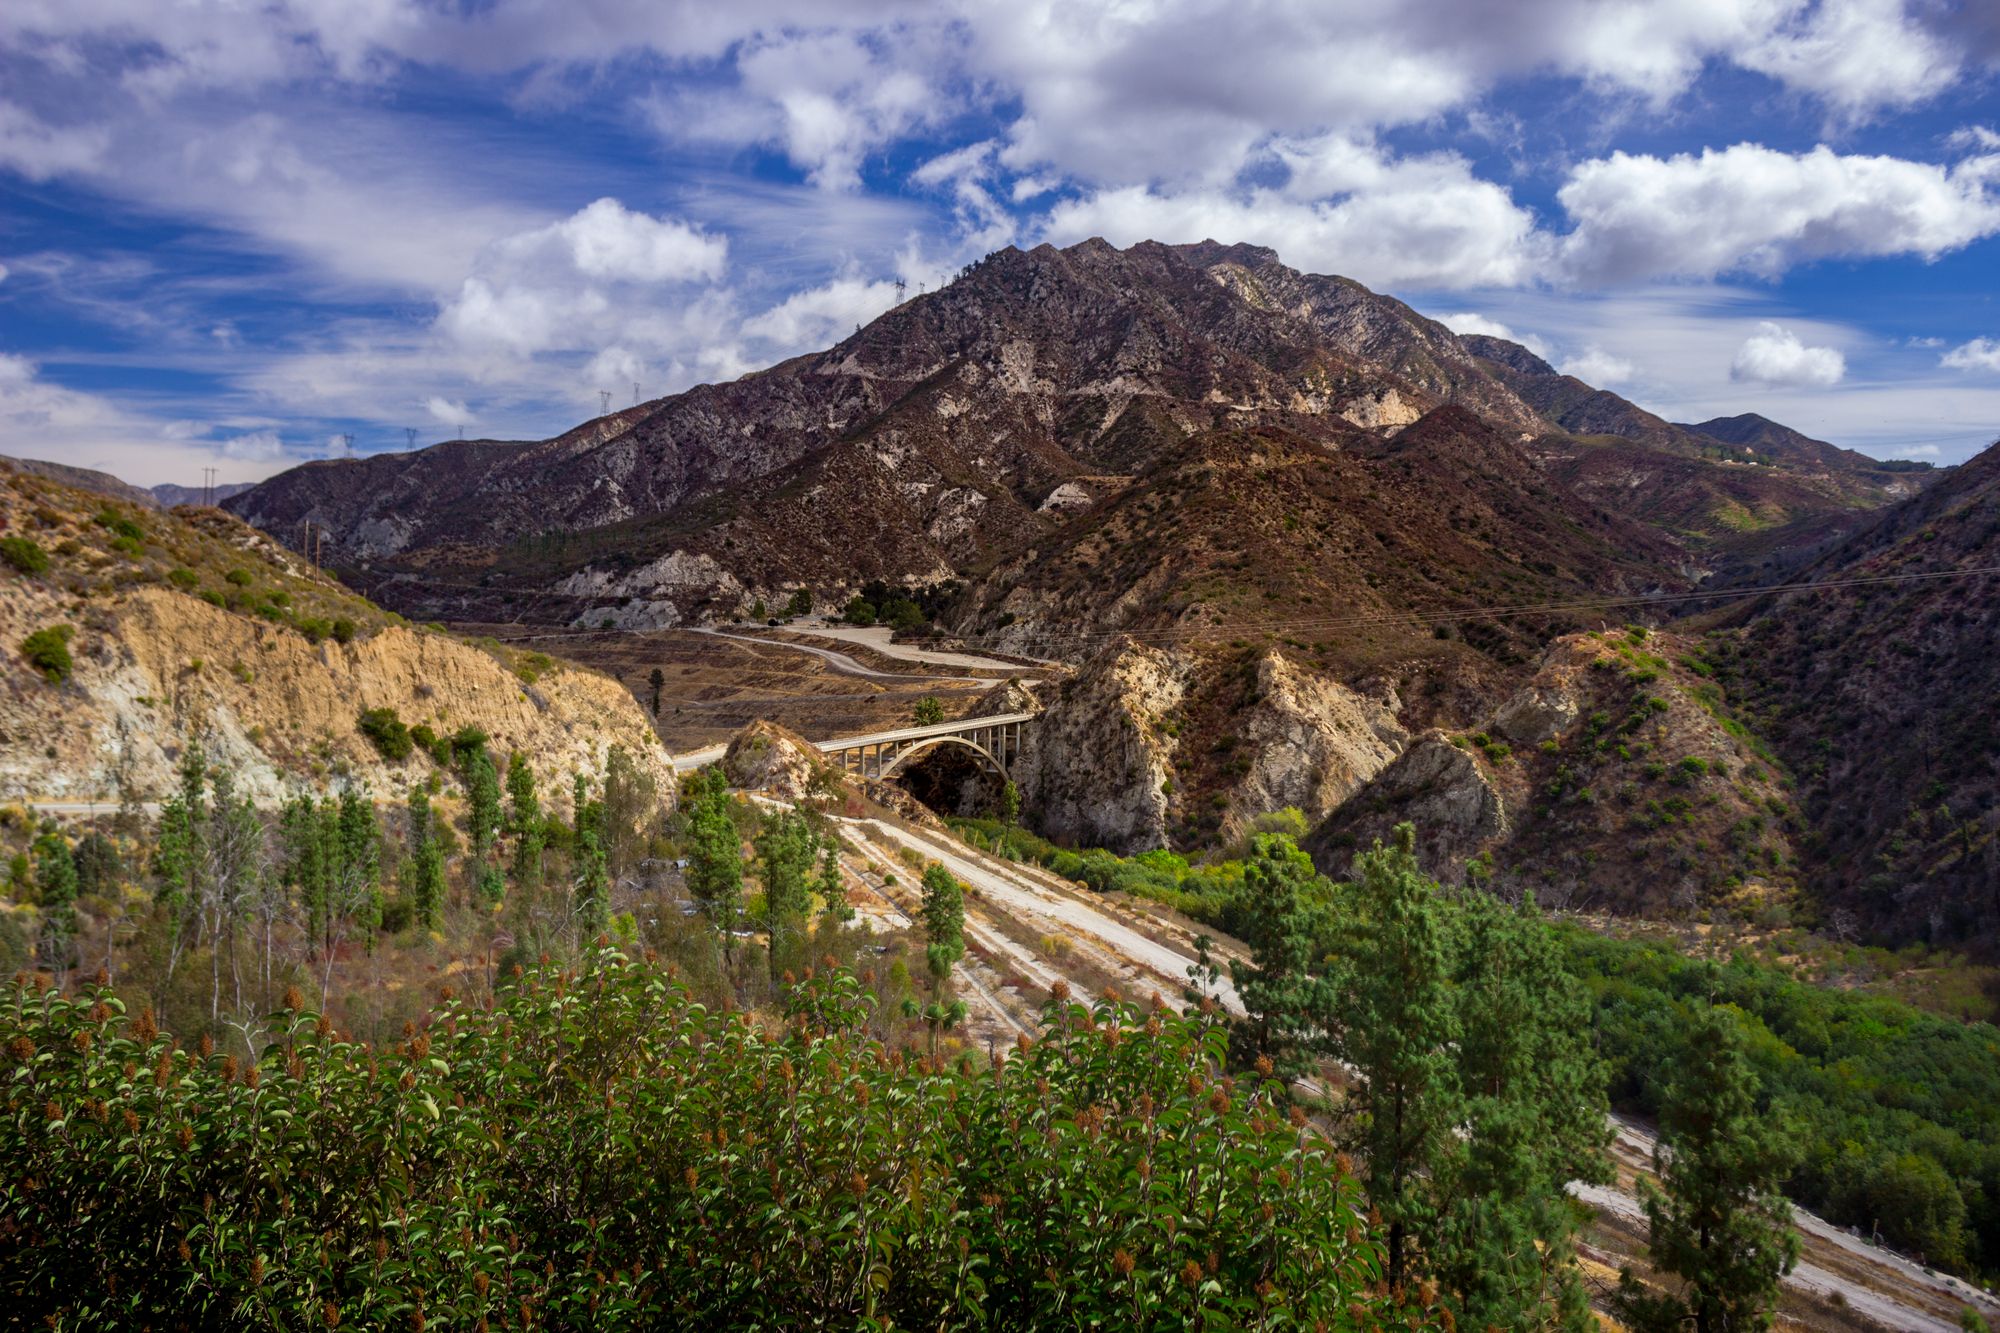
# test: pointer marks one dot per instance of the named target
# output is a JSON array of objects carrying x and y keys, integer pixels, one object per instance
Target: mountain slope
[
  {"x": 193, "y": 627},
  {"x": 1882, "y": 699}
]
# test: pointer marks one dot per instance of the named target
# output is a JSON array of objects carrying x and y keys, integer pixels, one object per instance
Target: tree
[
  {"x": 715, "y": 853},
  {"x": 944, "y": 921},
  {"x": 801, "y": 603},
  {"x": 1720, "y": 1224},
  {"x": 55, "y": 883},
  {"x": 1283, "y": 909},
  {"x": 525, "y": 822},
  {"x": 785, "y": 850},
  {"x": 482, "y": 795},
  {"x": 424, "y": 867},
  {"x": 178, "y": 854},
  {"x": 929, "y": 711},
  {"x": 591, "y": 885},
  {"x": 1399, "y": 1029},
  {"x": 1533, "y": 1091},
  {"x": 1010, "y": 802},
  {"x": 631, "y": 812},
  {"x": 860, "y": 611},
  {"x": 832, "y": 885},
  {"x": 658, "y": 681}
]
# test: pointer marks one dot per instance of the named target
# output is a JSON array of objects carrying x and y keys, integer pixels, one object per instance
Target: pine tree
[
  {"x": 1399, "y": 1031},
  {"x": 591, "y": 889},
  {"x": 1283, "y": 908},
  {"x": 525, "y": 822},
  {"x": 715, "y": 854},
  {"x": 832, "y": 885},
  {"x": 482, "y": 794},
  {"x": 785, "y": 849},
  {"x": 1534, "y": 1096},
  {"x": 657, "y": 680},
  {"x": 1720, "y": 1224},
  {"x": 425, "y": 866},
  {"x": 944, "y": 922},
  {"x": 55, "y": 883},
  {"x": 179, "y": 854}
]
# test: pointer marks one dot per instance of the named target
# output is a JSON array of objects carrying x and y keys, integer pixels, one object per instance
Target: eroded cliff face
[
  {"x": 1616, "y": 778},
  {"x": 1125, "y": 755},
  {"x": 156, "y": 669},
  {"x": 1096, "y": 767}
]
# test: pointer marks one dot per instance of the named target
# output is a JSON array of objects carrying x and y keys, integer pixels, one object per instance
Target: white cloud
[
  {"x": 447, "y": 412},
  {"x": 1599, "y": 368},
  {"x": 3, "y": 272},
  {"x": 1857, "y": 56},
  {"x": 42, "y": 419},
  {"x": 821, "y": 315},
  {"x": 1470, "y": 322},
  {"x": 1345, "y": 207},
  {"x": 1979, "y": 354},
  {"x": 1980, "y": 138},
  {"x": 39, "y": 150},
  {"x": 1774, "y": 355},
  {"x": 1751, "y": 209},
  {"x": 1915, "y": 451}
]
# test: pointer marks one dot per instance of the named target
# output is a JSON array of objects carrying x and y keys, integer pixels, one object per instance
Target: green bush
[
  {"x": 242, "y": 578},
  {"x": 385, "y": 730},
  {"x": 597, "y": 1150},
  {"x": 183, "y": 578},
  {"x": 119, "y": 526},
  {"x": 47, "y": 651},
  {"x": 343, "y": 630},
  {"x": 25, "y": 554}
]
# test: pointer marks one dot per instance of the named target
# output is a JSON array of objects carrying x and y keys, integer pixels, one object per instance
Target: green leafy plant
[
  {"x": 24, "y": 554},
  {"x": 47, "y": 651},
  {"x": 386, "y": 732}
]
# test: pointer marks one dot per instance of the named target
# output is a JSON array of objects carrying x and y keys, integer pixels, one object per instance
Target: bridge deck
[{"x": 920, "y": 733}]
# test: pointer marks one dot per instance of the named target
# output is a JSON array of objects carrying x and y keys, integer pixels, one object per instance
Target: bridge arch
[{"x": 918, "y": 749}]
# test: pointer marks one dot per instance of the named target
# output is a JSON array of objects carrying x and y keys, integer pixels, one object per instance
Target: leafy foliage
[
  {"x": 24, "y": 555},
  {"x": 599, "y": 1150},
  {"x": 47, "y": 651},
  {"x": 387, "y": 733}
]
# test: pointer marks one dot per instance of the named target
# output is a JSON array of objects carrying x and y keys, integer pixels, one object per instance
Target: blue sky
[{"x": 232, "y": 233}]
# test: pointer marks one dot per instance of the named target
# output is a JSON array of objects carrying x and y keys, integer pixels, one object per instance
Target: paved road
[
  {"x": 880, "y": 638},
  {"x": 840, "y": 662}
]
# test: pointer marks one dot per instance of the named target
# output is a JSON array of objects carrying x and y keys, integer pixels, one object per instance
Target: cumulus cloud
[
  {"x": 821, "y": 315},
  {"x": 1856, "y": 56},
  {"x": 1979, "y": 354},
  {"x": 557, "y": 286},
  {"x": 1346, "y": 207},
  {"x": 1774, "y": 355},
  {"x": 1756, "y": 210},
  {"x": 1597, "y": 367},
  {"x": 446, "y": 411}
]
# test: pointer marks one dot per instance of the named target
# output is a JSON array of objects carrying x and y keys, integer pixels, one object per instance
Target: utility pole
[{"x": 207, "y": 486}]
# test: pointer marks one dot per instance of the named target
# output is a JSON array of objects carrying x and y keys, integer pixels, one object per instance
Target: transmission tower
[
  {"x": 901, "y": 287},
  {"x": 207, "y": 486},
  {"x": 604, "y": 401},
  {"x": 411, "y": 431},
  {"x": 635, "y": 393},
  {"x": 347, "y": 446}
]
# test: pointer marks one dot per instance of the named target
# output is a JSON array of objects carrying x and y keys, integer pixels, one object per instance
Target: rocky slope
[
  {"x": 1615, "y": 778},
  {"x": 1882, "y": 698},
  {"x": 195, "y": 628}
]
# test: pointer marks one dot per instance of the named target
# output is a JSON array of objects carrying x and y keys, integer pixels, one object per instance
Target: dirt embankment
[{"x": 156, "y": 669}]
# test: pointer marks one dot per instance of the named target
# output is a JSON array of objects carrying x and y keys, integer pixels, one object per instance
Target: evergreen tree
[
  {"x": 715, "y": 853},
  {"x": 305, "y": 864},
  {"x": 1720, "y": 1224},
  {"x": 55, "y": 884},
  {"x": 425, "y": 864},
  {"x": 944, "y": 922},
  {"x": 178, "y": 854},
  {"x": 1534, "y": 1098},
  {"x": 658, "y": 681},
  {"x": 1400, "y": 1032},
  {"x": 1283, "y": 908},
  {"x": 1010, "y": 802},
  {"x": 832, "y": 886},
  {"x": 525, "y": 822},
  {"x": 482, "y": 794},
  {"x": 591, "y": 889},
  {"x": 929, "y": 711},
  {"x": 785, "y": 850}
]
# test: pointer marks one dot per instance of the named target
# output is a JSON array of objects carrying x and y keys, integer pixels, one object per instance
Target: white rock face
[
  {"x": 1314, "y": 742},
  {"x": 1443, "y": 790},
  {"x": 1537, "y": 713},
  {"x": 1386, "y": 408},
  {"x": 1065, "y": 497},
  {"x": 1095, "y": 767}
]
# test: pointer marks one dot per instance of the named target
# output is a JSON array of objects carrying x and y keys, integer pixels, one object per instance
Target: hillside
[
  {"x": 192, "y": 626},
  {"x": 1615, "y": 778},
  {"x": 1881, "y": 698}
]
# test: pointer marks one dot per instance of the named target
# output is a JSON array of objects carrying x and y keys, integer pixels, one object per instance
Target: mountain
[
  {"x": 1881, "y": 698},
  {"x": 82, "y": 479},
  {"x": 170, "y": 494},
  {"x": 190, "y": 626}
]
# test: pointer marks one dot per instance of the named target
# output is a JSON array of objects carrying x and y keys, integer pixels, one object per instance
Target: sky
[{"x": 241, "y": 234}]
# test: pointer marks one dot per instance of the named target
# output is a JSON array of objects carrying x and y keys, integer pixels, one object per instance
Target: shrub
[
  {"x": 119, "y": 526},
  {"x": 25, "y": 554},
  {"x": 184, "y": 578},
  {"x": 343, "y": 630},
  {"x": 386, "y": 732},
  {"x": 242, "y": 578},
  {"x": 639, "y": 1160},
  {"x": 47, "y": 651}
]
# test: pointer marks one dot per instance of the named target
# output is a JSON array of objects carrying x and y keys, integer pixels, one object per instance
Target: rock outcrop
[{"x": 766, "y": 757}]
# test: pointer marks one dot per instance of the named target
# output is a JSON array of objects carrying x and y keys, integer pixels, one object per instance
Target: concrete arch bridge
[{"x": 994, "y": 741}]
